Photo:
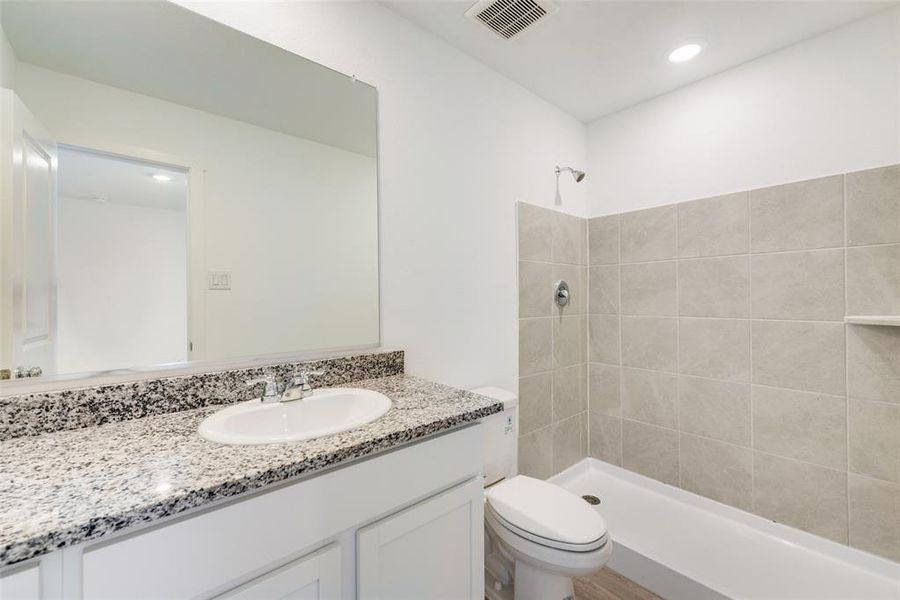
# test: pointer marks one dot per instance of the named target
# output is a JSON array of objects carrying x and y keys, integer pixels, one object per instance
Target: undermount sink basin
[{"x": 326, "y": 412}]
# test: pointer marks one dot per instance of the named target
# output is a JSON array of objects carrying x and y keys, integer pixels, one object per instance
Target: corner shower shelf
[{"x": 886, "y": 320}]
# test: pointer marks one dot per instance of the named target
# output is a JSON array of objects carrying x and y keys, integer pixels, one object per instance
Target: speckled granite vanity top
[{"x": 68, "y": 487}]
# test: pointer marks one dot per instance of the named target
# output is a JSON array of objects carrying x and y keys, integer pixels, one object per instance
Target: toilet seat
[
  {"x": 543, "y": 541},
  {"x": 546, "y": 515}
]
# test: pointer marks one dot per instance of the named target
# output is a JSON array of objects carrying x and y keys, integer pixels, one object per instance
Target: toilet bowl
[
  {"x": 550, "y": 534},
  {"x": 538, "y": 535}
]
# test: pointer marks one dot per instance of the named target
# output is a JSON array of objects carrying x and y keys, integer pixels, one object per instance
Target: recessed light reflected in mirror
[
  {"x": 161, "y": 177},
  {"x": 685, "y": 53}
]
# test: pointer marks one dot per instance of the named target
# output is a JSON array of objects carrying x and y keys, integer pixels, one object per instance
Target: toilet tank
[{"x": 500, "y": 436}]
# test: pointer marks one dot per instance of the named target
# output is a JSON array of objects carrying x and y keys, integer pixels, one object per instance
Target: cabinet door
[
  {"x": 433, "y": 550},
  {"x": 316, "y": 576},
  {"x": 21, "y": 584}
]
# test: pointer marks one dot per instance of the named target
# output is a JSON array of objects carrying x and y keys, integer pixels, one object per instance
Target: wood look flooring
[{"x": 606, "y": 584}]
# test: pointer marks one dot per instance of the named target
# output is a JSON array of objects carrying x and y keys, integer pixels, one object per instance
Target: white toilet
[{"x": 538, "y": 535}]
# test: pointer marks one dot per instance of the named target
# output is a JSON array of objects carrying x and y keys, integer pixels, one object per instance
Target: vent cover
[{"x": 509, "y": 18}]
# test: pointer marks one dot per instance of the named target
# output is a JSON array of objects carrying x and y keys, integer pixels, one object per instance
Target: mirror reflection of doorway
[{"x": 122, "y": 262}]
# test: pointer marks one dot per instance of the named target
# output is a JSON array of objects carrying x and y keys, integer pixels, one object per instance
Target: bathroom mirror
[{"x": 176, "y": 193}]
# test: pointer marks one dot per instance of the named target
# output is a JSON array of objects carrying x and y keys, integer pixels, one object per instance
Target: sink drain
[{"x": 594, "y": 500}]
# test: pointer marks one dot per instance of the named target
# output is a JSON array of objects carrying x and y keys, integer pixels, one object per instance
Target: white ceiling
[
  {"x": 103, "y": 178},
  {"x": 593, "y": 58},
  {"x": 163, "y": 50}
]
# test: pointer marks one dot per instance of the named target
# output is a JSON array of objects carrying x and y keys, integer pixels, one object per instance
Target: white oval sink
[{"x": 326, "y": 411}]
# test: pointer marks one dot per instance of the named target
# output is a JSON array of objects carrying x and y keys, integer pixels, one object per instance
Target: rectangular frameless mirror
[{"x": 177, "y": 192}]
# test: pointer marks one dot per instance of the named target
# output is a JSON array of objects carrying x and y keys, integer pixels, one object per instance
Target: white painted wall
[
  {"x": 827, "y": 105},
  {"x": 292, "y": 220},
  {"x": 459, "y": 145},
  {"x": 122, "y": 286},
  {"x": 7, "y": 62}
]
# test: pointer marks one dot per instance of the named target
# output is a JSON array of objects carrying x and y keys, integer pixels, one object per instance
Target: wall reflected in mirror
[{"x": 175, "y": 191}]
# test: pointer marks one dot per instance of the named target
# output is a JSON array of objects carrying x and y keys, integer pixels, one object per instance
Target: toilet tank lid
[{"x": 509, "y": 399}]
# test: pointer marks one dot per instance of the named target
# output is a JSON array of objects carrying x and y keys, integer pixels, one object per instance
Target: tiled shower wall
[
  {"x": 719, "y": 360},
  {"x": 552, "y": 341}
]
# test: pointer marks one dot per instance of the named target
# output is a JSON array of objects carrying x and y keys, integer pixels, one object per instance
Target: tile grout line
[
  {"x": 587, "y": 330},
  {"x": 846, "y": 357},
  {"x": 619, "y": 327},
  {"x": 678, "y": 340},
  {"x": 750, "y": 342},
  {"x": 736, "y": 382}
]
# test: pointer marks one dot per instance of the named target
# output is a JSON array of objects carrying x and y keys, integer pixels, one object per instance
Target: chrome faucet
[
  {"x": 296, "y": 388},
  {"x": 274, "y": 389},
  {"x": 299, "y": 387}
]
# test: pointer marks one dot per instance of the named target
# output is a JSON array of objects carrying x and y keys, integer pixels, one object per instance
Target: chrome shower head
[{"x": 578, "y": 175}]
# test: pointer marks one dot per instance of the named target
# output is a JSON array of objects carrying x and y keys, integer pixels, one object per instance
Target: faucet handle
[
  {"x": 272, "y": 386},
  {"x": 302, "y": 377}
]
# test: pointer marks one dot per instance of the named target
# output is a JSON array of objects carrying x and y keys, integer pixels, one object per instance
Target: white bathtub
[{"x": 686, "y": 547}]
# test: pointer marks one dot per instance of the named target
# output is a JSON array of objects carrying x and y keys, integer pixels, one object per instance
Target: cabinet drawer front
[
  {"x": 213, "y": 551},
  {"x": 432, "y": 550},
  {"x": 316, "y": 576}
]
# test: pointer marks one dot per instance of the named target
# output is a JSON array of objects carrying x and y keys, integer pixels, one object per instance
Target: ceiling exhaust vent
[{"x": 509, "y": 18}]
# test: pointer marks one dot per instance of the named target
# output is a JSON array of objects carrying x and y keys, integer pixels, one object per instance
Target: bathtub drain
[{"x": 591, "y": 499}]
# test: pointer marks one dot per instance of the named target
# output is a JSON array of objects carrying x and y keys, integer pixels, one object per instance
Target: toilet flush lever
[{"x": 561, "y": 293}]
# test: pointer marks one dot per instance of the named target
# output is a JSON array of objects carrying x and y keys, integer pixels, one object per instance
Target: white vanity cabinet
[
  {"x": 402, "y": 524},
  {"x": 313, "y": 577},
  {"x": 21, "y": 583},
  {"x": 434, "y": 549}
]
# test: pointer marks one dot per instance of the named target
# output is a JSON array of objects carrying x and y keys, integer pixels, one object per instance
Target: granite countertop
[{"x": 68, "y": 487}]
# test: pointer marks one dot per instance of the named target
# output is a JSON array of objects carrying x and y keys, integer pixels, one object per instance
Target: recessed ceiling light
[
  {"x": 161, "y": 177},
  {"x": 685, "y": 53}
]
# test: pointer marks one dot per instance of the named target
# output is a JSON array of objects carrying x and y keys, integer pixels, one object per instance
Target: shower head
[{"x": 578, "y": 175}]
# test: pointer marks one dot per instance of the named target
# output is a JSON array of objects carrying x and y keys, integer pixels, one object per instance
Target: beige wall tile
[
  {"x": 603, "y": 236},
  {"x": 719, "y": 471},
  {"x": 714, "y": 287},
  {"x": 603, "y": 339},
  {"x": 805, "y": 285},
  {"x": 535, "y": 232},
  {"x": 577, "y": 278},
  {"x": 604, "y": 290},
  {"x": 569, "y": 391},
  {"x": 714, "y": 226},
  {"x": 874, "y": 525},
  {"x": 569, "y": 239},
  {"x": 799, "y": 355},
  {"x": 715, "y": 409},
  {"x": 535, "y": 289},
  {"x": 650, "y": 343},
  {"x": 650, "y": 451},
  {"x": 536, "y": 453},
  {"x": 873, "y": 206},
  {"x": 649, "y": 289},
  {"x": 801, "y": 425},
  {"x": 873, "y": 280},
  {"x": 535, "y": 402},
  {"x": 569, "y": 442},
  {"x": 535, "y": 345},
  {"x": 717, "y": 348},
  {"x": 649, "y": 234},
  {"x": 873, "y": 367},
  {"x": 603, "y": 389},
  {"x": 801, "y": 495},
  {"x": 875, "y": 439},
  {"x": 568, "y": 341},
  {"x": 606, "y": 438},
  {"x": 650, "y": 397},
  {"x": 798, "y": 216}
]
